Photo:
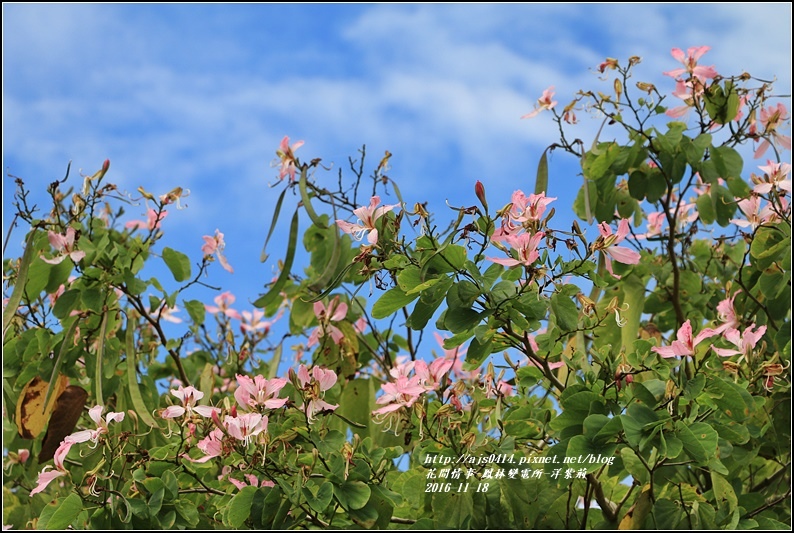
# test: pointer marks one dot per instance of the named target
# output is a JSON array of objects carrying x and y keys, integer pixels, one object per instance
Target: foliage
[{"x": 631, "y": 380}]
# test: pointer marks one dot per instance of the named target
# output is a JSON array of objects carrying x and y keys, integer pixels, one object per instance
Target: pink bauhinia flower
[
  {"x": 727, "y": 314},
  {"x": 223, "y": 302},
  {"x": 253, "y": 481},
  {"x": 211, "y": 445},
  {"x": 335, "y": 312},
  {"x": 188, "y": 396},
  {"x": 167, "y": 313},
  {"x": 525, "y": 245},
  {"x": 246, "y": 426},
  {"x": 545, "y": 102},
  {"x": 252, "y": 322},
  {"x": 401, "y": 393},
  {"x": 367, "y": 216},
  {"x": 745, "y": 342},
  {"x": 313, "y": 386},
  {"x": 64, "y": 244},
  {"x": 772, "y": 118},
  {"x": 457, "y": 355},
  {"x": 775, "y": 177},
  {"x": 46, "y": 476},
  {"x": 430, "y": 375},
  {"x": 93, "y": 434},
  {"x": 259, "y": 392},
  {"x": 685, "y": 344},
  {"x": 755, "y": 214},
  {"x": 286, "y": 154},
  {"x": 689, "y": 93},
  {"x": 690, "y": 64},
  {"x": 152, "y": 221},
  {"x": 607, "y": 242},
  {"x": 215, "y": 245}
]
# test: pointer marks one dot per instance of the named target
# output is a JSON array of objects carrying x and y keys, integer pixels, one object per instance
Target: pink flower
[
  {"x": 65, "y": 245},
  {"x": 367, "y": 216},
  {"x": 457, "y": 355},
  {"x": 685, "y": 344},
  {"x": 253, "y": 481},
  {"x": 524, "y": 210},
  {"x": 607, "y": 242},
  {"x": 690, "y": 64},
  {"x": 215, "y": 245},
  {"x": 545, "y": 102},
  {"x": 689, "y": 93},
  {"x": 45, "y": 477},
  {"x": 335, "y": 312},
  {"x": 152, "y": 221},
  {"x": 430, "y": 375},
  {"x": 167, "y": 313},
  {"x": 252, "y": 322},
  {"x": 252, "y": 393},
  {"x": 211, "y": 445},
  {"x": 246, "y": 426},
  {"x": 775, "y": 177},
  {"x": 772, "y": 118},
  {"x": 223, "y": 301},
  {"x": 313, "y": 386},
  {"x": 401, "y": 393},
  {"x": 102, "y": 427},
  {"x": 727, "y": 314},
  {"x": 754, "y": 213},
  {"x": 527, "y": 247},
  {"x": 654, "y": 227},
  {"x": 188, "y": 396},
  {"x": 286, "y": 154},
  {"x": 744, "y": 342}
]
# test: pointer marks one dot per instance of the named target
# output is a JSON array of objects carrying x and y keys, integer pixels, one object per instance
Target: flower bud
[{"x": 479, "y": 190}]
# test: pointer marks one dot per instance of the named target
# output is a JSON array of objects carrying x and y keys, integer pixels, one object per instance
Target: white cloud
[{"x": 442, "y": 87}]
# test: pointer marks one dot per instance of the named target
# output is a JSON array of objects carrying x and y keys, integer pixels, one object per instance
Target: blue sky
[{"x": 199, "y": 96}]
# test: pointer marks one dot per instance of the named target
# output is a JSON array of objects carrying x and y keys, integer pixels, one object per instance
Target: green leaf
[
  {"x": 542, "y": 179},
  {"x": 565, "y": 312},
  {"x": 478, "y": 351},
  {"x": 699, "y": 440},
  {"x": 61, "y": 513},
  {"x": 352, "y": 494},
  {"x": 66, "y": 303},
  {"x": 188, "y": 511},
  {"x": 410, "y": 280},
  {"x": 19, "y": 287},
  {"x": 769, "y": 245},
  {"x": 355, "y": 404},
  {"x": 583, "y": 449},
  {"x": 452, "y": 510},
  {"x": 239, "y": 508},
  {"x": 723, "y": 491},
  {"x": 132, "y": 379},
  {"x": 667, "y": 514},
  {"x": 178, "y": 263},
  {"x": 634, "y": 301},
  {"x": 320, "y": 501},
  {"x": 276, "y": 212},
  {"x": 705, "y": 208},
  {"x": 724, "y": 204},
  {"x": 638, "y": 423},
  {"x": 275, "y": 290},
  {"x": 392, "y": 300},
  {"x": 307, "y": 201},
  {"x": 519, "y": 423},
  {"x": 196, "y": 310},
  {"x": 727, "y": 162}
]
